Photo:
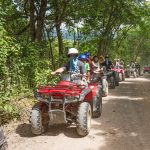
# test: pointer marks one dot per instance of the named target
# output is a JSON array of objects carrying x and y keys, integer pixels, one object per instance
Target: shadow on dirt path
[{"x": 24, "y": 130}]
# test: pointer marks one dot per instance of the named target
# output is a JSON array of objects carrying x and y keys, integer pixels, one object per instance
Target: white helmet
[{"x": 72, "y": 51}]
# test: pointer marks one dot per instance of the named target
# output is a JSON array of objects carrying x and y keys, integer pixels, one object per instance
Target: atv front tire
[
  {"x": 117, "y": 79},
  {"x": 120, "y": 77},
  {"x": 4, "y": 146},
  {"x": 97, "y": 106},
  {"x": 84, "y": 119},
  {"x": 37, "y": 121},
  {"x": 112, "y": 82},
  {"x": 134, "y": 74}
]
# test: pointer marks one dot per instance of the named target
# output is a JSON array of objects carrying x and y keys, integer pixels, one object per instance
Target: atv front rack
[{"x": 61, "y": 93}]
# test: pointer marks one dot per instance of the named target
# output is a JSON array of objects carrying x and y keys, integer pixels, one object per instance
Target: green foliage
[{"x": 22, "y": 68}]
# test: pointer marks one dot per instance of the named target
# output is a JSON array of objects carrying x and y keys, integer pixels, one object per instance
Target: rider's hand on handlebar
[
  {"x": 53, "y": 73},
  {"x": 56, "y": 73}
]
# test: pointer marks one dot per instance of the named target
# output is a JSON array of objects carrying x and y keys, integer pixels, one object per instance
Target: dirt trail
[{"x": 124, "y": 125}]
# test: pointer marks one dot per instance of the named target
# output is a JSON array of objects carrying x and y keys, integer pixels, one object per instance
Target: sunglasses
[{"x": 70, "y": 55}]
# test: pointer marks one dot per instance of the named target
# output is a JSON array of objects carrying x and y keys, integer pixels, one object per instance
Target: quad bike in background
[
  {"x": 120, "y": 75},
  {"x": 64, "y": 103},
  {"x": 3, "y": 142},
  {"x": 127, "y": 72},
  {"x": 146, "y": 70},
  {"x": 99, "y": 77},
  {"x": 116, "y": 74},
  {"x": 110, "y": 78},
  {"x": 133, "y": 72}
]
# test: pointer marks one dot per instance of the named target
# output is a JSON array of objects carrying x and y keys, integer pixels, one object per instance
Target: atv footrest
[{"x": 57, "y": 116}]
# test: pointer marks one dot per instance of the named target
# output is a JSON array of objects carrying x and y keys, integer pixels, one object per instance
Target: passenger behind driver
[
  {"x": 88, "y": 55},
  {"x": 84, "y": 59},
  {"x": 96, "y": 64}
]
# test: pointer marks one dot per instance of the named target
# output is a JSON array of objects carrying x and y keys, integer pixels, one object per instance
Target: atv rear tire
[
  {"x": 123, "y": 76},
  {"x": 112, "y": 82},
  {"x": 3, "y": 142},
  {"x": 4, "y": 146},
  {"x": 97, "y": 106},
  {"x": 84, "y": 119},
  {"x": 117, "y": 79},
  {"x": 104, "y": 88},
  {"x": 120, "y": 77},
  {"x": 134, "y": 74},
  {"x": 37, "y": 125}
]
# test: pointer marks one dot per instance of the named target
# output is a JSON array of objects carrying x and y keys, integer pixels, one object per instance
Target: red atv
[
  {"x": 121, "y": 73},
  {"x": 67, "y": 102},
  {"x": 146, "y": 70}
]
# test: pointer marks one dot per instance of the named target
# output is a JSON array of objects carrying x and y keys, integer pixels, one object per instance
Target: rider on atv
[
  {"x": 84, "y": 59},
  {"x": 88, "y": 55},
  {"x": 132, "y": 68},
  {"x": 67, "y": 101},
  {"x": 98, "y": 73},
  {"x": 138, "y": 68},
  {"x": 74, "y": 65},
  {"x": 107, "y": 65}
]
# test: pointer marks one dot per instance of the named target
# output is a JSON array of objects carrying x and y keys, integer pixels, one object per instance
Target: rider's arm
[
  {"x": 62, "y": 69},
  {"x": 94, "y": 65},
  {"x": 88, "y": 72},
  {"x": 59, "y": 70}
]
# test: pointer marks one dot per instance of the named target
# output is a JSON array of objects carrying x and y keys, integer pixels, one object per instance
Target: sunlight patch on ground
[
  {"x": 125, "y": 82},
  {"x": 133, "y": 134},
  {"x": 108, "y": 98},
  {"x": 141, "y": 79}
]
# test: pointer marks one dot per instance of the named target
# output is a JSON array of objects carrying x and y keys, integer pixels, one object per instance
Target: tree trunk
[
  {"x": 60, "y": 40},
  {"x": 40, "y": 20},
  {"x": 102, "y": 46},
  {"x": 32, "y": 20}
]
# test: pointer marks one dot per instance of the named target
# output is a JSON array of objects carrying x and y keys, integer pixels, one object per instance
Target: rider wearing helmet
[
  {"x": 87, "y": 54},
  {"x": 84, "y": 59},
  {"x": 74, "y": 66}
]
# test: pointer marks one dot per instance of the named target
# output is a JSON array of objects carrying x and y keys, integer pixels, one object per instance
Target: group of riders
[
  {"x": 93, "y": 68},
  {"x": 133, "y": 69}
]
